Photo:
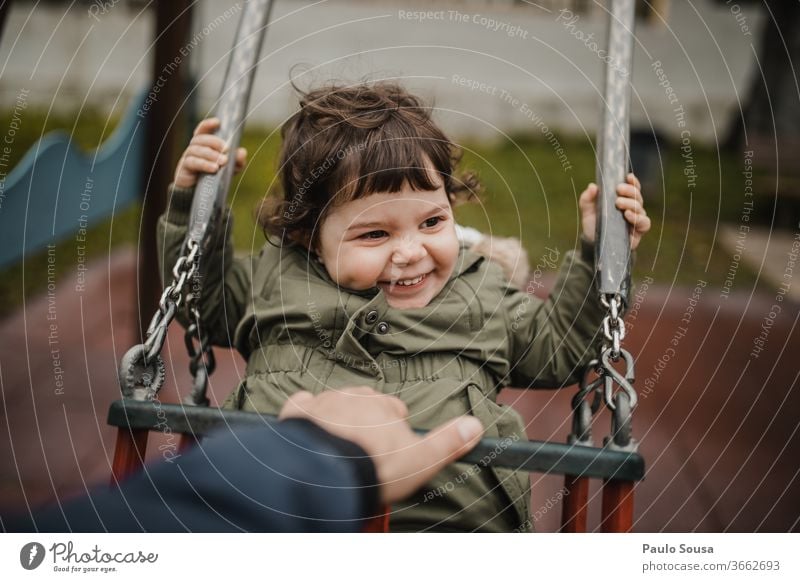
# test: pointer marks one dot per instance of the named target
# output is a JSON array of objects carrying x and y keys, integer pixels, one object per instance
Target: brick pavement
[{"x": 718, "y": 428}]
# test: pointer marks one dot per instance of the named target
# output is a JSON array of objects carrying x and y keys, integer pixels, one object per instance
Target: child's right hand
[{"x": 206, "y": 154}]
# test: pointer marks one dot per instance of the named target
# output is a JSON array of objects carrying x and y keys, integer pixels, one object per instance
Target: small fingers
[
  {"x": 208, "y": 125},
  {"x": 195, "y": 165},
  {"x": 241, "y": 158},
  {"x": 211, "y": 141},
  {"x": 633, "y": 180},
  {"x": 629, "y": 204},
  {"x": 206, "y": 153},
  {"x": 629, "y": 191},
  {"x": 588, "y": 196},
  {"x": 640, "y": 221}
]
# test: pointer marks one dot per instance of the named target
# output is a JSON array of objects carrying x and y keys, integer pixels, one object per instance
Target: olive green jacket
[{"x": 299, "y": 331}]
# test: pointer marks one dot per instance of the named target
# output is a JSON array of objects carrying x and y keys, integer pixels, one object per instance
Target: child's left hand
[{"x": 629, "y": 200}]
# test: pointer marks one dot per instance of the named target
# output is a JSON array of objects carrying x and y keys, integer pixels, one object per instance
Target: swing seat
[{"x": 619, "y": 470}]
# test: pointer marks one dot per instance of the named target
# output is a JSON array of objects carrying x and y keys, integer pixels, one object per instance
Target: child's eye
[
  {"x": 433, "y": 221},
  {"x": 374, "y": 234}
]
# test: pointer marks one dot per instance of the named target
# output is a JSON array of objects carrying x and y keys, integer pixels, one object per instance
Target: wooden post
[{"x": 164, "y": 135}]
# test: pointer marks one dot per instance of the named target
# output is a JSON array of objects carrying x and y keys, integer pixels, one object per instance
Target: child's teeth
[{"x": 407, "y": 282}]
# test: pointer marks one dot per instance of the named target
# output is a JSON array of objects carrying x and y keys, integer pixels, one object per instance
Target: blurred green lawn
[{"x": 527, "y": 194}]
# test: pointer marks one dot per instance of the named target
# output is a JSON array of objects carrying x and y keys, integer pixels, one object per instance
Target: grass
[{"x": 527, "y": 194}]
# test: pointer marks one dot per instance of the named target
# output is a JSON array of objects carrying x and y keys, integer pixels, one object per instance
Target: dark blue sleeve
[{"x": 290, "y": 476}]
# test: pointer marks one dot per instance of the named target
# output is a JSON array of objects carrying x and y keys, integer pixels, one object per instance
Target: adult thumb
[{"x": 445, "y": 444}]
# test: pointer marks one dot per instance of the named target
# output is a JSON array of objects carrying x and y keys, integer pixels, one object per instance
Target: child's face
[{"x": 404, "y": 243}]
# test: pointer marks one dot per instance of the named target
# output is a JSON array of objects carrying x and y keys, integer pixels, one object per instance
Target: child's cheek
[
  {"x": 361, "y": 268},
  {"x": 445, "y": 250}
]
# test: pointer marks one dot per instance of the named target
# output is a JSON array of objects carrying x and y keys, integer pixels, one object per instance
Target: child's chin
[{"x": 407, "y": 303}]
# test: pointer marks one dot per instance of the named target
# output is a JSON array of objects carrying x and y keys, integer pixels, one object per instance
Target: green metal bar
[{"x": 531, "y": 456}]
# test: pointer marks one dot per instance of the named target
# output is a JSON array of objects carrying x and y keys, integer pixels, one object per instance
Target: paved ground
[{"x": 718, "y": 426}]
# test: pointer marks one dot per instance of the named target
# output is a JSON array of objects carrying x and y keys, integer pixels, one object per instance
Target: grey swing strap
[
  {"x": 612, "y": 263},
  {"x": 211, "y": 191},
  {"x": 613, "y": 243},
  {"x": 142, "y": 371}
]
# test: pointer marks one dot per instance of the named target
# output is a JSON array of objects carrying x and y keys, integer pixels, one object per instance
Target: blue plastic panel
[{"x": 56, "y": 190}]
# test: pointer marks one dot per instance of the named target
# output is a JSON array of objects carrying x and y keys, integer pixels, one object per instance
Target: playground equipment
[{"x": 617, "y": 462}]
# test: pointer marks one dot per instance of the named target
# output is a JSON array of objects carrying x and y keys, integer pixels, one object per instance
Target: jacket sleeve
[
  {"x": 289, "y": 476},
  {"x": 553, "y": 340},
  {"x": 226, "y": 285}
]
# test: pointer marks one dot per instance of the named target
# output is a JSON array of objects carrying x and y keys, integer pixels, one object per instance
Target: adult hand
[{"x": 404, "y": 461}]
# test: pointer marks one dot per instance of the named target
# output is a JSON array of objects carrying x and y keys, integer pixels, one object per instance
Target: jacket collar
[{"x": 468, "y": 262}]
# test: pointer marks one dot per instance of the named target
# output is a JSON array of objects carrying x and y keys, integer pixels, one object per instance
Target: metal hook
[
  {"x": 582, "y": 411},
  {"x": 612, "y": 375},
  {"x": 140, "y": 376}
]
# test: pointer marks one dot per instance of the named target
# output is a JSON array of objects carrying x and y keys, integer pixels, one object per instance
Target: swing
[{"x": 617, "y": 462}]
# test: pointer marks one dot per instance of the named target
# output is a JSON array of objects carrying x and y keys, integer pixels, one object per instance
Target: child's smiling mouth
[
  {"x": 410, "y": 282},
  {"x": 404, "y": 285}
]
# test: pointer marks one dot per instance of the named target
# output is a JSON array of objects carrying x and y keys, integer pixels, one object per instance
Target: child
[{"x": 363, "y": 282}]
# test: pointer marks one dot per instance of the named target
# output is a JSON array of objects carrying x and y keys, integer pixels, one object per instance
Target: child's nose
[{"x": 407, "y": 252}]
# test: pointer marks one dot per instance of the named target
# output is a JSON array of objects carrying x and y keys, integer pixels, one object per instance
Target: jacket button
[
  {"x": 383, "y": 327},
  {"x": 371, "y": 317}
]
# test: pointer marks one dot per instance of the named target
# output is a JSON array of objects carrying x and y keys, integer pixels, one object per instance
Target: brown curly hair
[{"x": 347, "y": 142}]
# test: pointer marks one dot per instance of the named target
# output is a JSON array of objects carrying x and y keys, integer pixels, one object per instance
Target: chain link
[
  {"x": 607, "y": 377},
  {"x": 144, "y": 361},
  {"x": 184, "y": 269},
  {"x": 613, "y": 324},
  {"x": 201, "y": 358}
]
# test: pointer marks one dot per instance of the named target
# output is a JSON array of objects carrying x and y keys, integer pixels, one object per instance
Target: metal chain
[
  {"x": 622, "y": 402},
  {"x": 582, "y": 411},
  {"x": 142, "y": 368},
  {"x": 613, "y": 324},
  {"x": 201, "y": 363},
  {"x": 184, "y": 269}
]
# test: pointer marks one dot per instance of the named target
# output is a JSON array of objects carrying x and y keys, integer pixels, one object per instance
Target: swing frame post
[
  {"x": 129, "y": 452},
  {"x": 617, "y": 507},
  {"x": 379, "y": 523},
  {"x": 575, "y": 504},
  {"x": 187, "y": 441}
]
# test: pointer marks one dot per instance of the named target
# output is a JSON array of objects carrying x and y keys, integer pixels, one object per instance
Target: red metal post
[
  {"x": 187, "y": 441},
  {"x": 617, "y": 506},
  {"x": 128, "y": 453},
  {"x": 575, "y": 509},
  {"x": 379, "y": 523}
]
